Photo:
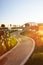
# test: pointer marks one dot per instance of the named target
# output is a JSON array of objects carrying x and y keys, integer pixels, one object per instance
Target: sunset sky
[{"x": 21, "y": 11}]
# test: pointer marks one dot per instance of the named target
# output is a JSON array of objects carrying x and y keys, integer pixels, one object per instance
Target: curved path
[{"x": 20, "y": 54}]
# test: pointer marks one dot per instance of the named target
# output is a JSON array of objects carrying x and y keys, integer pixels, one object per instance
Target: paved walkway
[{"x": 20, "y": 54}]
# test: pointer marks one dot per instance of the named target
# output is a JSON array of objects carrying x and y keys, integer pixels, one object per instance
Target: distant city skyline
[{"x": 21, "y": 11}]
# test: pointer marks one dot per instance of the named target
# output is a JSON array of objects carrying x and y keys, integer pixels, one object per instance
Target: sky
[{"x": 21, "y": 11}]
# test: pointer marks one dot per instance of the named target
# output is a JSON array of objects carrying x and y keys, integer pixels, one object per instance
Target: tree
[{"x": 2, "y": 25}]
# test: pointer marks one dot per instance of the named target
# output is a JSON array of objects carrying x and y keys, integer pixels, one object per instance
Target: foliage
[
  {"x": 2, "y": 25},
  {"x": 6, "y": 41},
  {"x": 12, "y": 41}
]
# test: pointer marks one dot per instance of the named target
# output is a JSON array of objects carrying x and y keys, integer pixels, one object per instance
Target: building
[{"x": 31, "y": 26}]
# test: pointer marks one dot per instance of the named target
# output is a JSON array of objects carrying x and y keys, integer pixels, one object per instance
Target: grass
[
  {"x": 36, "y": 59},
  {"x": 11, "y": 31},
  {"x": 37, "y": 56}
]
